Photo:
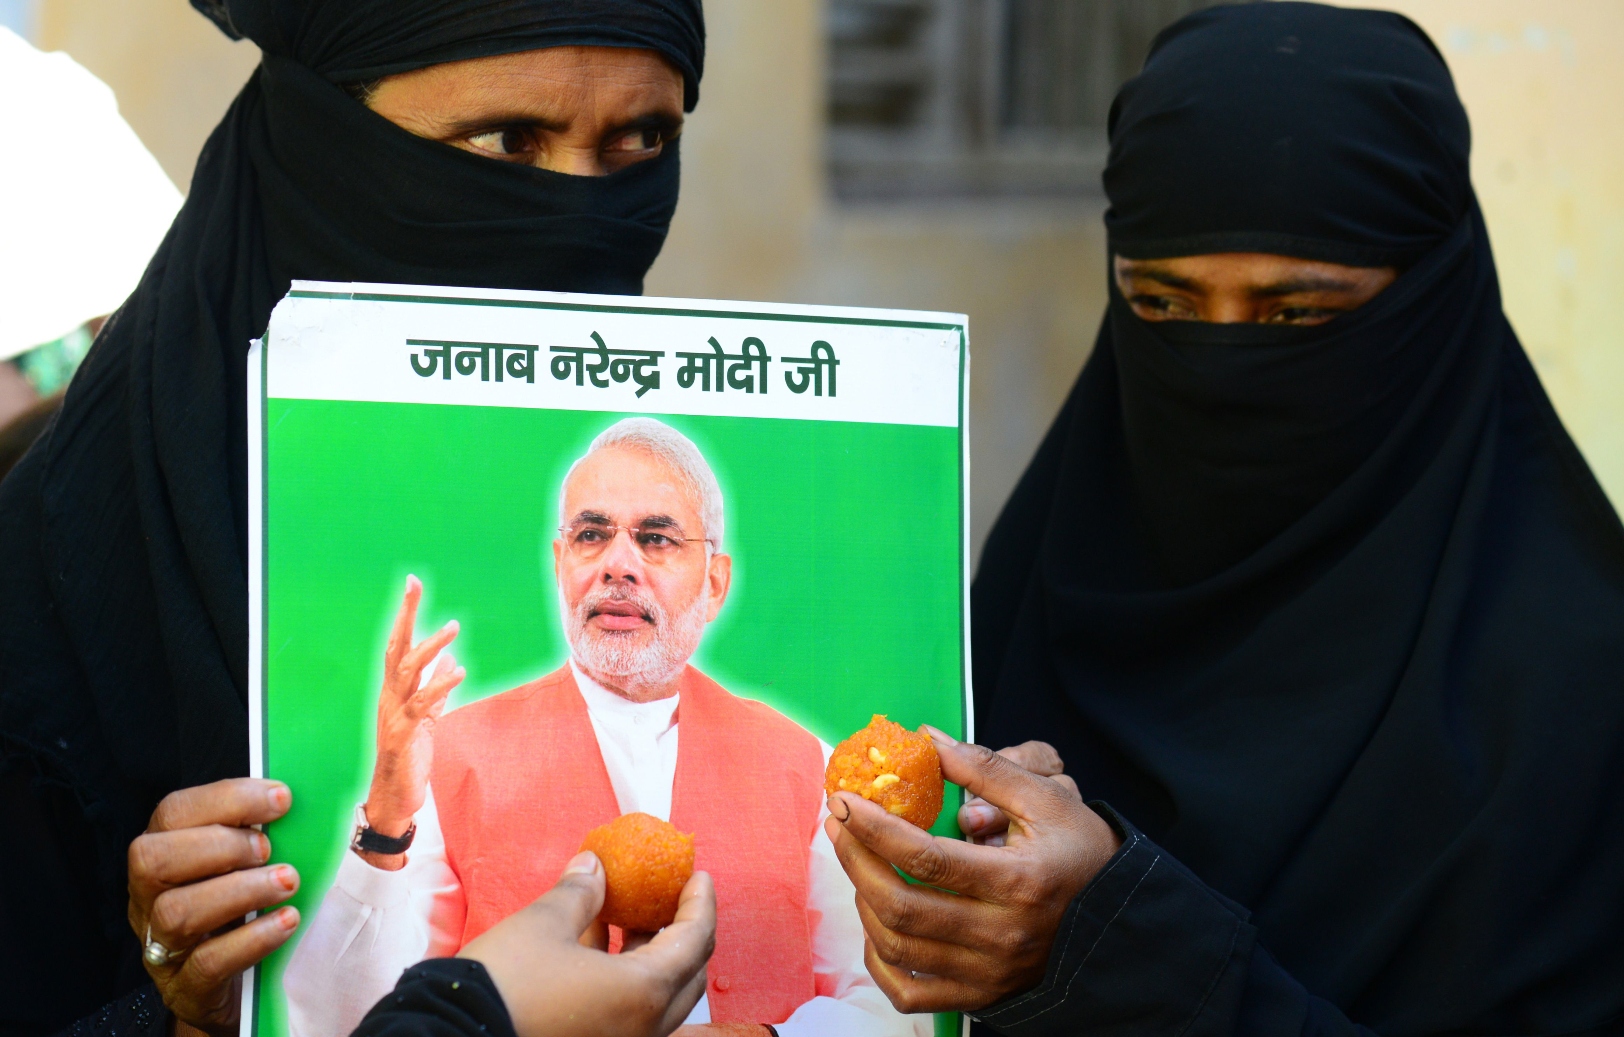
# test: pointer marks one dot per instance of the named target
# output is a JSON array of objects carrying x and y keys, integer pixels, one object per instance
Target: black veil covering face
[
  {"x": 123, "y": 574},
  {"x": 1333, "y": 614}
]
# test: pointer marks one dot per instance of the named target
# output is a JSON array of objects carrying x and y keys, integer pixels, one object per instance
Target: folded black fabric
[{"x": 364, "y": 39}]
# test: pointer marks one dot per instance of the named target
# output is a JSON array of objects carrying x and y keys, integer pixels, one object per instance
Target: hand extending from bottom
[
  {"x": 934, "y": 951},
  {"x": 556, "y": 985}
]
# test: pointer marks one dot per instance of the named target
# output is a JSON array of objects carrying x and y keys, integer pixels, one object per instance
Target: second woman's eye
[
  {"x": 1301, "y": 315},
  {"x": 507, "y": 142}
]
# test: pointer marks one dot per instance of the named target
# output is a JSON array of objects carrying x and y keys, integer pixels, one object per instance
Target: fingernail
[
  {"x": 584, "y": 863},
  {"x": 262, "y": 847},
  {"x": 288, "y": 917},
  {"x": 279, "y": 797},
  {"x": 940, "y": 736},
  {"x": 413, "y": 582},
  {"x": 285, "y": 877},
  {"x": 838, "y": 809},
  {"x": 451, "y": 624}
]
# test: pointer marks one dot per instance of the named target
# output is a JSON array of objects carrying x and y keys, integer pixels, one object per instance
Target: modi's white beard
[{"x": 635, "y": 656}]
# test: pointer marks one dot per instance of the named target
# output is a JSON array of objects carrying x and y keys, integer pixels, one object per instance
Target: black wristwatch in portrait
[{"x": 376, "y": 842}]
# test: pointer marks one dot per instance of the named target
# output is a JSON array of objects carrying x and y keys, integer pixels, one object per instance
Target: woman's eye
[
  {"x": 637, "y": 140},
  {"x": 1301, "y": 315},
  {"x": 510, "y": 141},
  {"x": 1162, "y": 307}
]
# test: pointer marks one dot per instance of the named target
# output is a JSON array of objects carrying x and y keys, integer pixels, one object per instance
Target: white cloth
[
  {"x": 78, "y": 222},
  {"x": 374, "y": 924}
]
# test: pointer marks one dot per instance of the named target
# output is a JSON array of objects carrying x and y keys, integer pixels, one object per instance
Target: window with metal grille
[{"x": 945, "y": 97}]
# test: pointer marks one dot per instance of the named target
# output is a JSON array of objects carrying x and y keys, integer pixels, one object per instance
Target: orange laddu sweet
[
  {"x": 892, "y": 766},
  {"x": 646, "y": 862}
]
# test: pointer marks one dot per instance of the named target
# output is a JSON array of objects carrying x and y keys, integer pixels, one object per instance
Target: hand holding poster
[{"x": 523, "y": 563}]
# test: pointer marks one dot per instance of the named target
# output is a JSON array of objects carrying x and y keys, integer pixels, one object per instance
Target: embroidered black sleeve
[
  {"x": 140, "y": 1013},
  {"x": 441, "y": 997}
]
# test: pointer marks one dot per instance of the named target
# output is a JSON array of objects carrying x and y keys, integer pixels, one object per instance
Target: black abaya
[
  {"x": 1332, "y": 617},
  {"x": 123, "y": 570}
]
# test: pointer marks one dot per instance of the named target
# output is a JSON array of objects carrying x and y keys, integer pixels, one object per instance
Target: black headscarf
[
  {"x": 1335, "y": 614},
  {"x": 123, "y": 571}
]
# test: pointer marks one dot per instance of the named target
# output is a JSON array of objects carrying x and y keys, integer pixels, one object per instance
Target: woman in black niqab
[
  {"x": 1333, "y": 615},
  {"x": 123, "y": 573}
]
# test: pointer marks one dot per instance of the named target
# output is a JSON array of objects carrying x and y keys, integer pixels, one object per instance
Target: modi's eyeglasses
[{"x": 657, "y": 542}]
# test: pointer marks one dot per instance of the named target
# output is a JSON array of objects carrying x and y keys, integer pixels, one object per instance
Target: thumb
[
  {"x": 678, "y": 953},
  {"x": 570, "y": 907}
]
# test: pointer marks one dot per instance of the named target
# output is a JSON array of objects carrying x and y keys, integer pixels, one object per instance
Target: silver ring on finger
[{"x": 156, "y": 954}]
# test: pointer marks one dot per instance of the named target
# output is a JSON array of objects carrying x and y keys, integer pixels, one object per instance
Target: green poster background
[{"x": 846, "y": 597}]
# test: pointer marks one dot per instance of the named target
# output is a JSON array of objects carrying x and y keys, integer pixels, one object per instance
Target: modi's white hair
[{"x": 676, "y": 450}]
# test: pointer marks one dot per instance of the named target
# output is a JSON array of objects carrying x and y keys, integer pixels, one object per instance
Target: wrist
[
  {"x": 179, "y": 1027},
  {"x": 385, "y": 821},
  {"x": 373, "y": 838}
]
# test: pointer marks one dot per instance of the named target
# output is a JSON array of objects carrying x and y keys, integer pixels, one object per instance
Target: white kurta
[{"x": 374, "y": 924}]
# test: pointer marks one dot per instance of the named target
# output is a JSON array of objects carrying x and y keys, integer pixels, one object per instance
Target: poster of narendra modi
[{"x": 523, "y": 563}]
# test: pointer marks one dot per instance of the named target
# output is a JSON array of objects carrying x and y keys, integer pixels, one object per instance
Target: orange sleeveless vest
[{"x": 518, "y": 781}]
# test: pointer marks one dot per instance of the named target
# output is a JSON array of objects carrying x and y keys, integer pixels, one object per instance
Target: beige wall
[
  {"x": 1544, "y": 83},
  {"x": 1544, "y": 86},
  {"x": 756, "y": 221}
]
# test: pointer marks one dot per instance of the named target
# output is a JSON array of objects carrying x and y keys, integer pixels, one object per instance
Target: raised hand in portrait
[
  {"x": 194, "y": 874},
  {"x": 408, "y": 707},
  {"x": 549, "y": 965},
  {"x": 988, "y": 936}
]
